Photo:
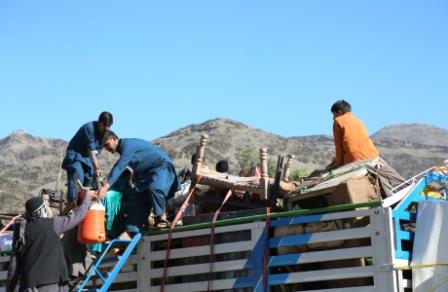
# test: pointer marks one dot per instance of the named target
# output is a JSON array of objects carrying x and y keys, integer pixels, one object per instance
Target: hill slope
[
  {"x": 29, "y": 163},
  {"x": 416, "y": 133}
]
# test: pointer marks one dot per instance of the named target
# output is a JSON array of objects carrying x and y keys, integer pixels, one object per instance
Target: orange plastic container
[{"x": 92, "y": 227}]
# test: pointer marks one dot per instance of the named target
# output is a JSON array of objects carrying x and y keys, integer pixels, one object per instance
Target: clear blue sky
[{"x": 274, "y": 65}]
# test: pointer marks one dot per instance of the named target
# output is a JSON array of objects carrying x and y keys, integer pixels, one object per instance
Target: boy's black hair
[
  {"x": 109, "y": 134},
  {"x": 222, "y": 166},
  {"x": 106, "y": 118},
  {"x": 341, "y": 106}
]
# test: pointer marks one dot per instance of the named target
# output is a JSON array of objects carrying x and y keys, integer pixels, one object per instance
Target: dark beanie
[
  {"x": 33, "y": 204},
  {"x": 222, "y": 166}
]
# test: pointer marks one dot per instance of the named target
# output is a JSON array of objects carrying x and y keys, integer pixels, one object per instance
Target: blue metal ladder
[{"x": 108, "y": 277}]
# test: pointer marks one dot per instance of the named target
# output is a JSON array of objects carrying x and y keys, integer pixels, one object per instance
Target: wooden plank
[
  {"x": 3, "y": 275},
  {"x": 126, "y": 277},
  {"x": 205, "y": 231},
  {"x": 383, "y": 248},
  {"x": 321, "y": 275},
  {"x": 203, "y": 250},
  {"x": 234, "y": 265},
  {"x": 121, "y": 278},
  {"x": 318, "y": 237},
  {"x": 321, "y": 217},
  {"x": 202, "y": 286},
  {"x": 131, "y": 261},
  {"x": 144, "y": 264},
  {"x": 4, "y": 259},
  {"x": 320, "y": 256}
]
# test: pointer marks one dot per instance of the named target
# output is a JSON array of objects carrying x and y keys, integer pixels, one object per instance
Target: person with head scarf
[{"x": 37, "y": 257}]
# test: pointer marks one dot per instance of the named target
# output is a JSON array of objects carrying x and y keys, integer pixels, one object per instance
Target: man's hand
[
  {"x": 98, "y": 172},
  {"x": 102, "y": 191},
  {"x": 86, "y": 192},
  {"x": 91, "y": 193}
]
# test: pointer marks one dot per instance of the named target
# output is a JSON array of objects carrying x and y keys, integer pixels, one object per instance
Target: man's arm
[
  {"x": 93, "y": 157},
  {"x": 89, "y": 134},
  {"x": 118, "y": 169},
  {"x": 338, "y": 140},
  {"x": 64, "y": 223},
  {"x": 120, "y": 165}
]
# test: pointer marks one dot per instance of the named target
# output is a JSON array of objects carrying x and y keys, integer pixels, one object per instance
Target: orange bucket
[{"x": 92, "y": 227}]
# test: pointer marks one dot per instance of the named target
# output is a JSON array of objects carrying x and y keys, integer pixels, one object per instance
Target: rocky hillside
[
  {"x": 415, "y": 133},
  {"x": 28, "y": 163},
  {"x": 416, "y": 148}
]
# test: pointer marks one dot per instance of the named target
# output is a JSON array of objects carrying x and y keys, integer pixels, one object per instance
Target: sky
[{"x": 274, "y": 65}]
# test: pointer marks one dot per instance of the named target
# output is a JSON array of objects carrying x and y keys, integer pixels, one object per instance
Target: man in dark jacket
[
  {"x": 155, "y": 179},
  {"x": 80, "y": 161},
  {"x": 37, "y": 255}
]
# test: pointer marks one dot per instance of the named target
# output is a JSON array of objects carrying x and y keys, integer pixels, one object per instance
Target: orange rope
[
  {"x": 212, "y": 238},
  {"x": 170, "y": 233}
]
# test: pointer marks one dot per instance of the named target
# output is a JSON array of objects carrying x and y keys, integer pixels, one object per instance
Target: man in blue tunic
[
  {"x": 154, "y": 176},
  {"x": 80, "y": 161}
]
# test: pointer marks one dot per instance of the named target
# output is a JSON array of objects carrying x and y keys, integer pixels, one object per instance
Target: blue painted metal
[
  {"x": 290, "y": 240},
  {"x": 278, "y": 279},
  {"x": 401, "y": 213},
  {"x": 109, "y": 277},
  {"x": 296, "y": 220},
  {"x": 284, "y": 260},
  {"x": 255, "y": 265}
]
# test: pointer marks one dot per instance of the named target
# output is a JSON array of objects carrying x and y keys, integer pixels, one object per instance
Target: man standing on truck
[
  {"x": 37, "y": 257},
  {"x": 80, "y": 161},
  {"x": 155, "y": 179}
]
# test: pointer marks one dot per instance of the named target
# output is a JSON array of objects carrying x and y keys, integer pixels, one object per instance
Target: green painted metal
[{"x": 262, "y": 217}]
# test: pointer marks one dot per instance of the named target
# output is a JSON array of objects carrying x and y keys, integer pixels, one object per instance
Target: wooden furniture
[
  {"x": 289, "y": 159},
  {"x": 254, "y": 184}
]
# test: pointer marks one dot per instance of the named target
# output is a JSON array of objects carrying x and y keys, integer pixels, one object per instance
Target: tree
[
  {"x": 298, "y": 173},
  {"x": 247, "y": 157}
]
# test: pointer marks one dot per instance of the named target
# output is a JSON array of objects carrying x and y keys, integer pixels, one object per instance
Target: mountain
[
  {"x": 228, "y": 139},
  {"x": 416, "y": 133},
  {"x": 29, "y": 163}
]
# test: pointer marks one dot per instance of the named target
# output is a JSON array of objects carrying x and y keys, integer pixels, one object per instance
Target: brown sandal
[
  {"x": 161, "y": 222},
  {"x": 158, "y": 221}
]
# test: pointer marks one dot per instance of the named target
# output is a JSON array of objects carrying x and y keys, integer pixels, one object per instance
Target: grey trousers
[{"x": 46, "y": 288}]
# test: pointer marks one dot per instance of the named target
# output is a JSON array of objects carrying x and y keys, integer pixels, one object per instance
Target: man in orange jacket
[
  {"x": 352, "y": 142},
  {"x": 351, "y": 139}
]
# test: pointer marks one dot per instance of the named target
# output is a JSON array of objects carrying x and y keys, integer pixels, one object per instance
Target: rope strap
[
  {"x": 170, "y": 233},
  {"x": 212, "y": 238}
]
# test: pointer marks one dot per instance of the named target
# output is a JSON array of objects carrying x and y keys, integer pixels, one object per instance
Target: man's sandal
[{"x": 161, "y": 222}]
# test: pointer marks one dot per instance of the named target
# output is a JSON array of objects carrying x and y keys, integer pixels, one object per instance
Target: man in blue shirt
[
  {"x": 154, "y": 175},
  {"x": 80, "y": 161}
]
